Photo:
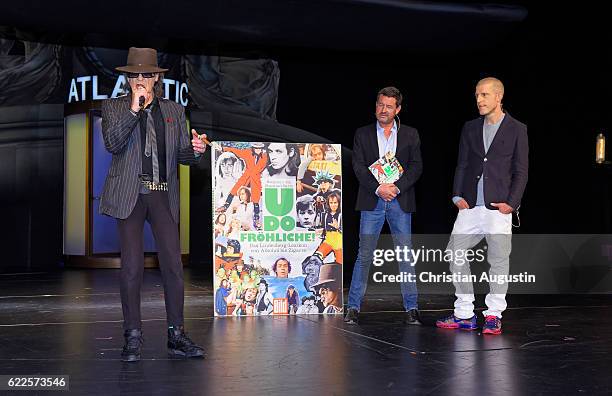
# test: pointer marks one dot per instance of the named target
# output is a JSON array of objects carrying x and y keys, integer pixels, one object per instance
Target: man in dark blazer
[
  {"x": 393, "y": 202},
  {"x": 147, "y": 136},
  {"x": 490, "y": 179}
]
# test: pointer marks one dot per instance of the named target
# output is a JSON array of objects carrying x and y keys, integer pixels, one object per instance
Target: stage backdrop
[{"x": 277, "y": 224}]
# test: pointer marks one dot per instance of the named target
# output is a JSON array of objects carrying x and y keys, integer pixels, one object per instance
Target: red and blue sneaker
[
  {"x": 452, "y": 322},
  {"x": 492, "y": 325}
]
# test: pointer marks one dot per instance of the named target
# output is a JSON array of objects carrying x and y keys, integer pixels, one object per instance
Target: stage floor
[{"x": 69, "y": 323}]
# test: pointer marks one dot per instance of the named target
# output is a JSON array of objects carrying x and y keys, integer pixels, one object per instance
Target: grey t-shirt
[{"x": 488, "y": 134}]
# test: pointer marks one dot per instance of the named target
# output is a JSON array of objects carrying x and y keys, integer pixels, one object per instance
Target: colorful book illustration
[{"x": 386, "y": 169}]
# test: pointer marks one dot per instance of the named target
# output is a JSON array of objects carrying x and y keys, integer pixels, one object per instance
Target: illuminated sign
[{"x": 86, "y": 88}]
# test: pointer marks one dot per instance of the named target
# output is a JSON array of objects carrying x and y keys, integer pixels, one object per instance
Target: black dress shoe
[
  {"x": 413, "y": 318},
  {"x": 133, "y": 343},
  {"x": 352, "y": 316},
  {"x": 179, "y": 345}
]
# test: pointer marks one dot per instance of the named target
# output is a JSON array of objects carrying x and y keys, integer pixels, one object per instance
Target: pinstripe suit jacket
[{"x": 121, "y": 133}]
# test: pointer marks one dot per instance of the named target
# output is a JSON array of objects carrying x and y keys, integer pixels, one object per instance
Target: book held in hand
[{"x": 386, "y": 169}]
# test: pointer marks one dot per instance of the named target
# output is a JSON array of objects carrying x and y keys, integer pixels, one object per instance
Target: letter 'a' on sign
[{"x": 277, "y": 228}]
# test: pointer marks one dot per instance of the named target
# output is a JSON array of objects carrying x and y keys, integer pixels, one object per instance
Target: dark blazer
[
  {"x": 504, "y": 166},
  {"x": 408, "y": 153},
  {"x": 121, "y": 133}
]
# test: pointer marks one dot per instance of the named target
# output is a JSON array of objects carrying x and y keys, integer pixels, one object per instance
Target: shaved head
[{"x": 497, "y": 85}]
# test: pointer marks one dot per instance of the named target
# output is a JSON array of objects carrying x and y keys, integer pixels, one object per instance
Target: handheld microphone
[{"x": 141, "y": 101}]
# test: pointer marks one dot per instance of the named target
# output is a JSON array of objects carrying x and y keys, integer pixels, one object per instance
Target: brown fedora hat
[
  {"x": 141, "y": 60},
  {"x": 329, "y": 273}
]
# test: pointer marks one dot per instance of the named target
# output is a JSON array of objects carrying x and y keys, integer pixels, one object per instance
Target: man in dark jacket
[
  {"x": 147, "y": 136},
  {"x": 490, "y": 179},
  {"x": 393, "y": 202}
]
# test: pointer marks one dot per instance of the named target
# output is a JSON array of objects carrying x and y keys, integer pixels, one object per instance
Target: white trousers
[{"x": 470, "y": 227}]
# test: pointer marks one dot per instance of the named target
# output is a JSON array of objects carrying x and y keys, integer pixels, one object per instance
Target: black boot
[
  {"x": 180, "y": 345},
  {"x": 133, "y": 343},
  {"x": 413, "y": 318},
  {"x": 352, "y": 316}
]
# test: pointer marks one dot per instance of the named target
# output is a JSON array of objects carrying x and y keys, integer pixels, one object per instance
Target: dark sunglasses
[{"x": 144, "y": 75}]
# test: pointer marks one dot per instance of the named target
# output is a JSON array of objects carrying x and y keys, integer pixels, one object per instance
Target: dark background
[{"x": 334, "y": 56}]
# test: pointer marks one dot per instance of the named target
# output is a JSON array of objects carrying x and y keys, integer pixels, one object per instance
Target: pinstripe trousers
[{"x": 154, "y": 208}]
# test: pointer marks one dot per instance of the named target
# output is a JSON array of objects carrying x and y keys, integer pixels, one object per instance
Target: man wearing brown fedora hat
[{"x": 147, "y": 136}]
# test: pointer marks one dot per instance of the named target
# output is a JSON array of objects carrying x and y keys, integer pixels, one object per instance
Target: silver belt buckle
[{"x": 152, "y": 186}]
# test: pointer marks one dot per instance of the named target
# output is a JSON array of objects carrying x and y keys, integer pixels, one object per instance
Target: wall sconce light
[{"x": 600, "y": 149}]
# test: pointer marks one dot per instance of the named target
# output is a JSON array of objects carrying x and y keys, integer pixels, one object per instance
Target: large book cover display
[{"x": 277, "y": 224}]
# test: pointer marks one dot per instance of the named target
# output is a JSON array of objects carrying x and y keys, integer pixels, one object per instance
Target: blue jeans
[{"x": 369, "y": 230}]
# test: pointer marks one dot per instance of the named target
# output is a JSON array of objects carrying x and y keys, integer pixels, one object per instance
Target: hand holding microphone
[{"x": 139, "y": 98}]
